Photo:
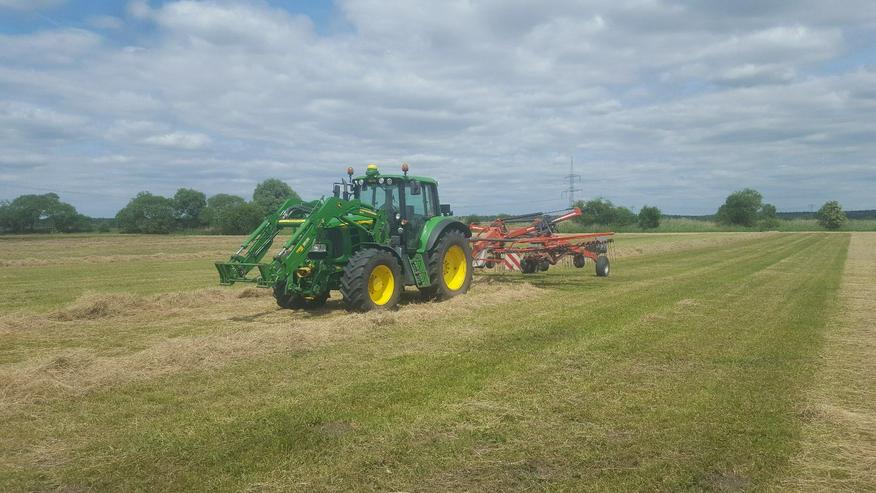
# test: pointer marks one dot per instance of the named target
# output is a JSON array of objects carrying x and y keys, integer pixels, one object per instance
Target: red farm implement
[{"x": 531, "y": 243}]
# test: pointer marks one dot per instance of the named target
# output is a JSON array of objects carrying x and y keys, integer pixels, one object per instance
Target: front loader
[{"x": 375, "y": 235}]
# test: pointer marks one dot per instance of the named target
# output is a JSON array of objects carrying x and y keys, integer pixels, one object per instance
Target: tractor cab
[{"x": 408, "y": 202}]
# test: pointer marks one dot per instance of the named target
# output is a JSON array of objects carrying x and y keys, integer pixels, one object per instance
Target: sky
[{"x": 673, "y": 103}]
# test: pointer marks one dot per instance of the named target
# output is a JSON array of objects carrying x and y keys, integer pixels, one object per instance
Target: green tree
[
  {"x": 147, "y": 213},
  {"x": 189, "y": 206},
  {"x": 831, "y": 215},
  {"x": 767, "y": 217},
  {"x": 240, "y": 219},
  {"x": 649, "y": 217},
  {"x": 217, "y": 206},
  {"x": 46, "y": 212},
  {"x": 741, "y": 208},
  {"x": 602, "y": 211},
  {"x": 5, "y": 217},
  {"x": 270, "y": 194}
]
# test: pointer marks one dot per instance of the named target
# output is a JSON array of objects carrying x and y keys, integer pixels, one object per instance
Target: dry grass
[
  {"x": 243, "y": 324},
  {"x": 684, "y": 370},
  {"x": 838, "y": 450}
]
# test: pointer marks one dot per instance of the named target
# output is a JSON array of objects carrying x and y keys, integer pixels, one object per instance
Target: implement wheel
[
  {"x": 528, "y": 265},
  {"x": 579, "y": 260},
  {"x": 449, "y": 267},
  {"x": 602, "y": 266},
  {"x": 372, "y": 279}
]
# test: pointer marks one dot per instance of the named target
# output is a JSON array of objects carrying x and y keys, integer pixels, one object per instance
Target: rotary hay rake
[{"x": 531, "y": 243}]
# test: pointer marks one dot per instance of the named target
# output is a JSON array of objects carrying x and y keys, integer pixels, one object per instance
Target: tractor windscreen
[{"x": 377, "y": 195}]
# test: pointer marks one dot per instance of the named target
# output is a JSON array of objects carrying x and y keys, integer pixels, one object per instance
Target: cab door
[{"x": 420, "y": 206}]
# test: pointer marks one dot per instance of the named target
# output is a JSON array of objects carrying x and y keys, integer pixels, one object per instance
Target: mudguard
[{"x": 435, "y": 227}]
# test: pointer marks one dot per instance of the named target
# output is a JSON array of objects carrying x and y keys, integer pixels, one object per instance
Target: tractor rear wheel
[
  {"x": 372, "y": 279},
  {"x": 449, "y": 267},
  {"x": 602, "y": 266}
]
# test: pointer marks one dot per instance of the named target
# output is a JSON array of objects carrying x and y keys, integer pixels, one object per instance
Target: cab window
[{"x": 376, "y": 195}]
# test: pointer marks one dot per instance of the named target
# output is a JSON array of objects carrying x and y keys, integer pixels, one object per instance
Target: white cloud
[
  {"x": 662, "y": 102},
  {"x": 180, "y": 140}
]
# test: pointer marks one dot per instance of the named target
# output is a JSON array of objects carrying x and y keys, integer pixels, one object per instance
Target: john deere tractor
[{"x": 375, "y": 235}]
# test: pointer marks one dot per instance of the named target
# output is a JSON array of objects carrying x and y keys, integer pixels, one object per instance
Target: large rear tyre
[
  {"x": 450, "y": 267},
  {"x": 602, "y": 266},
  {"x": 372, "y": 280}
]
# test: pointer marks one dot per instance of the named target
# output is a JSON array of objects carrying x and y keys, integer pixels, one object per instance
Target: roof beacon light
[
  {"x": 350, "y": 171},
  {"x": 372, "y": 170},
  {"x": 405, "y": 169}
]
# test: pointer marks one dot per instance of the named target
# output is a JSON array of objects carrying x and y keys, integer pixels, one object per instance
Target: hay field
[{"x": 719, "y": 361}]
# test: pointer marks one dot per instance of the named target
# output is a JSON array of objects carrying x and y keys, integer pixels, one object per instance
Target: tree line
[
  {"x": 187, "y": 210},
  {"x": 741, "y": 208},
  {"x": 192, "y": 210}
]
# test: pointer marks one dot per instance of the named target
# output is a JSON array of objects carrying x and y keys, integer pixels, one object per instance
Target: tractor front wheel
[
  {"x": 296, "y": 301},
  {"x": 449, "y": 266},
  {"x": 372, "y": 279},
  {"x": 602, "y": 266}
]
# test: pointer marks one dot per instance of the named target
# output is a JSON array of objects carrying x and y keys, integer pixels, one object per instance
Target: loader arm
[
  {"x": 307, "y": 219},
  {"x": 256, "y": 245}
]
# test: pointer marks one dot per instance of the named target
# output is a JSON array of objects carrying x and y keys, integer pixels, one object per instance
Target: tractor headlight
[
  {"x": 380, "y": 180},
  {"x": 397, "y": 216},
  {"x": 389, "y": 181}
]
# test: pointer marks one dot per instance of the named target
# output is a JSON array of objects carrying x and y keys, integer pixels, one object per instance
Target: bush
[
  {"x": 767, "y": 218},
  {"x": 239, "y": 219},
  {"x": 831, "y": 215},
  {"x": 649, "y": 217},
  {"x": 602, "y": 211},
  {"x": 746, "y": 208},
  {"x": 147, "y": 213}
]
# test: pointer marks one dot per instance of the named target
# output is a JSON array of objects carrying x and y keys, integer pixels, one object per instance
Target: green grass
[
  {"x": 687, "y": 225},
  {"x": 684, "y": 370}
]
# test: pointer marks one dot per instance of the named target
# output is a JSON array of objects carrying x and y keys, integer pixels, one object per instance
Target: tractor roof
[
  {"x": 422, "y": 179},
  {"x": 373, "y": 172}
]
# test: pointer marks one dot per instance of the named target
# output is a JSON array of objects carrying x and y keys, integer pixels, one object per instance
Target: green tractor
[{"x": 375, "y": 235}]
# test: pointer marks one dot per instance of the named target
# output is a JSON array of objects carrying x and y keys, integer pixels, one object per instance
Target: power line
[{"x": 573, "y": 181}]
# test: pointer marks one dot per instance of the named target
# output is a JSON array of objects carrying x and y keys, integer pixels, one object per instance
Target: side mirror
[
  {"x": 445, "y": 210},
  {"x": 336, "y": 190},
  {"x": 415, "y": 188}
]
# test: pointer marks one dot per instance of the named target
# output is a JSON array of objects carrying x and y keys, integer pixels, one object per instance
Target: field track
[{"x": 724, "y": 362}]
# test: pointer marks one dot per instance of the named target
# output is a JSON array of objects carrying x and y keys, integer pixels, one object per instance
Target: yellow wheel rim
[
  {"x": 381, "y": 285},
  {"x": 455, "y": 268}
]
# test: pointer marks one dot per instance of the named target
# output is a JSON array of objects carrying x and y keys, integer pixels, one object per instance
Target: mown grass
[
  {"x": 687, "y": 225},
  {"x": 683, "y": 370}
]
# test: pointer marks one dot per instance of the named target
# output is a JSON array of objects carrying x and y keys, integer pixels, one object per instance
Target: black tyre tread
[
  {"x": 528, "y": 266},
  {"x": 354, "y": 282},
  {"x": 602, "y": 266},
  {"x": 434, "y": 264}
]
